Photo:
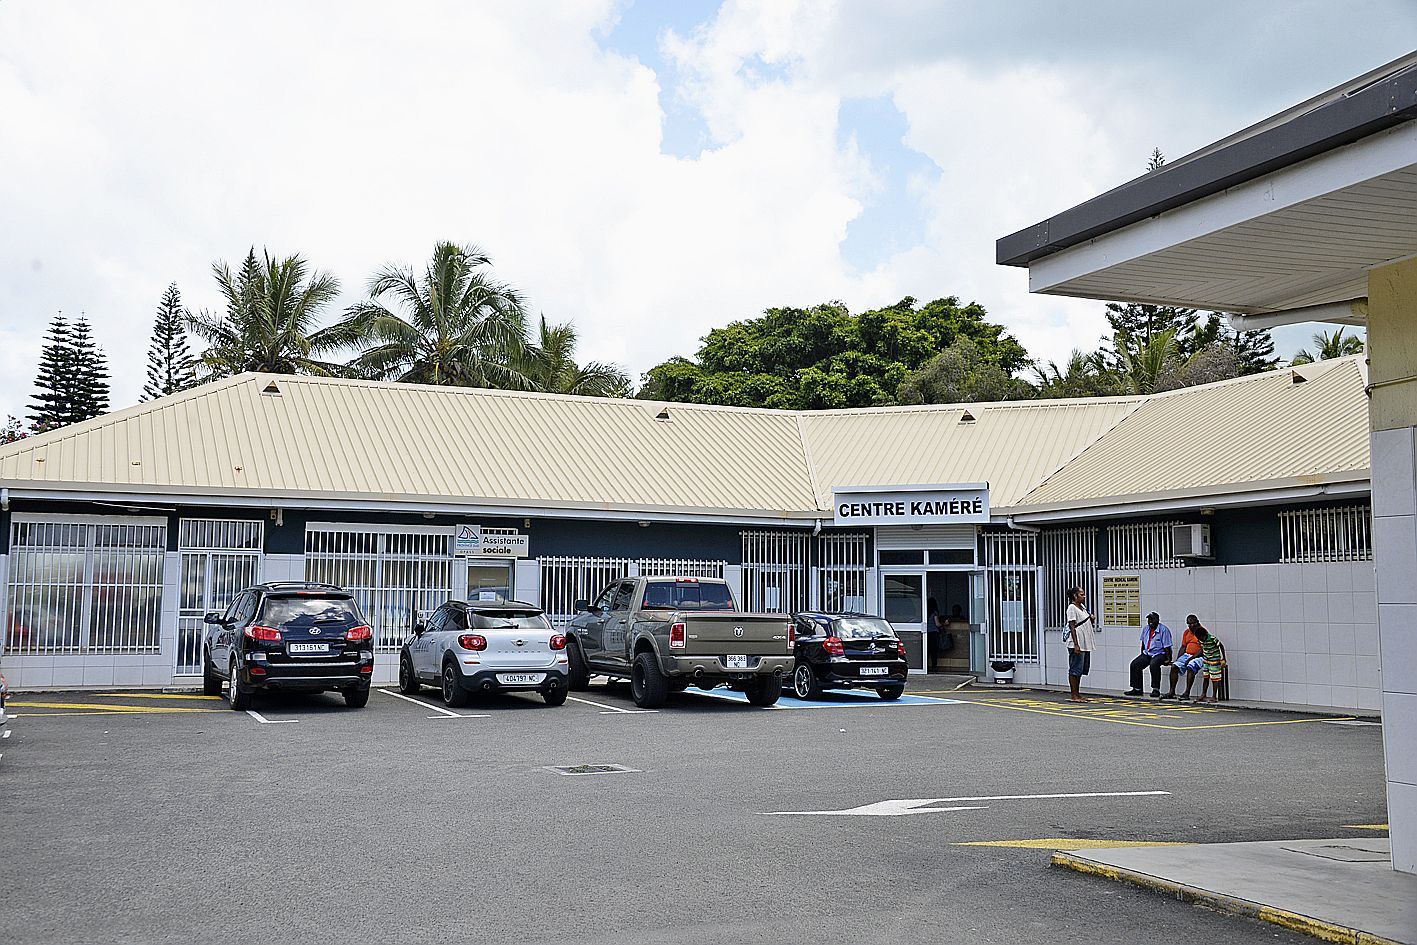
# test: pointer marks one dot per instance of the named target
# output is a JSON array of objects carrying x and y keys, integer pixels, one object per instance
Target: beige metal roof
[
  {"x": 326, "y": 440},
  {"x": 1305, "y": 426}
]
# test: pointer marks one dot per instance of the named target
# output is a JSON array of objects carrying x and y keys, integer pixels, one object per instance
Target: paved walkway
[{"x": 1339, "y": 890}]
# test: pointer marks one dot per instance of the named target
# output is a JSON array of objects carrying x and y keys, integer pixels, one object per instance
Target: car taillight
[
  {"x": 256, "y": 669},
  {"x": 358, "y": 634},
  {"x": 833, "y": 646},
  {"x": 472, "y": 641},
  {"x": 264, "y": 634},
  {"x": 678, "y": 636},
  {"x": 558, "y": 641},
  {"x": 791, "y": 637},
  {"x": 900, "y": 647}
]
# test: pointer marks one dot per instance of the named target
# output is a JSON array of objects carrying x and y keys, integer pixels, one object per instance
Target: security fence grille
[
  {"x": 841, "y": 574},
  {"x": 565, "y": 580},
  {"x": 1069, "y": 559},
  {"x": 774, "y": 571},
  {"x": 394, "y": 573},
  {"x": 85, "y": 585},
  {"x": 219, "y": 558},
  {"x": 1011, "y": 566},
  {"x": 1326, "y": 534},
  {"x": 1145, "y": 545}
]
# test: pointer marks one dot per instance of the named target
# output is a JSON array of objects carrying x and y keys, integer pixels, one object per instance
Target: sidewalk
[
  {"x": 1339, "y": 890},
  {"x": 1365, "y": 714}
]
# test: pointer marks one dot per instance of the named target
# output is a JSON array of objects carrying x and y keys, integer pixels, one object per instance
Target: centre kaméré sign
[{"x": 955, "y": 504}]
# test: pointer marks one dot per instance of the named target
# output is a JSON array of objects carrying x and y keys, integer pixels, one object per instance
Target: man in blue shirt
[{"x": 1155, "y": 653}]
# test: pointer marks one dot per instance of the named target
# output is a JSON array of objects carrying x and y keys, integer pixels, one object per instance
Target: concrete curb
[
  {"x": 1285, "y": 707},
  {"x": 1327, "y": 931}
]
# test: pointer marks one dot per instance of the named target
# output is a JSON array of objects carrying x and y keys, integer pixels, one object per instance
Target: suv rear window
[
  {"x": 507, "y": 620},
  {"x": 685, "y": 595},
  {"x": 307, "y": 610}
]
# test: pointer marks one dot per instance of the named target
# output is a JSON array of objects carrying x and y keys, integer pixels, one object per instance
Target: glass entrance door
[{"x": 903, "y": 599}]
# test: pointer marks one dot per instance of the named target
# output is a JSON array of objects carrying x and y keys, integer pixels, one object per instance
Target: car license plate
[
  {"x": 737, "y": 662},
  {"x": 875, "y": 671},
  {"x": 520, "y": 679},
  {"x": 309, "y": 648}
]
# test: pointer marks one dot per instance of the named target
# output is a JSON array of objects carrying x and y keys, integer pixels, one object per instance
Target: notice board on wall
[{"x": 1121, "y": 601}]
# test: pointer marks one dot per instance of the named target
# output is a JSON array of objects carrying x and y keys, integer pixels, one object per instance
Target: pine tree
[
  {"x": 50, "y": 406},
  {"x": 1157, "y": 160},
  {"x": 171, "y": 367},
  {"x": 90, "y": 369}
]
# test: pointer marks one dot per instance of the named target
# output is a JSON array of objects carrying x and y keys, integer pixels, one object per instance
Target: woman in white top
[{"x": 1078, "y": 639}]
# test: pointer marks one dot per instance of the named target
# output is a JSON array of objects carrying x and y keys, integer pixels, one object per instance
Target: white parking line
[
  {"x": 445, "y": 713},
  {"x": 265, "y": 721},
  {"x": 612, "y": 708},
  {"x": 898, "y": 808}
]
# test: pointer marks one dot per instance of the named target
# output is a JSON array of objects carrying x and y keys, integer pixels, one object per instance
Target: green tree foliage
[
  {"x": 961, "y": 374},
  {"x": 272, "y": 310},
  {"x": 1156, "y": 161},
  {"x": 824, "y": 356},
  {"x": 1329, "y": 345},
  {"x": 1251, "y": 351},
  {"x": 171, "y": 367},
  {"x": 71, "y": 383},
  {"x": 1085, "y": 375},
  {"x": 12, "y": 430},
  {"x": 549, "y": 363},
  {"x": 1134, "y": 326},
  {"x": 451, "y": 324}
]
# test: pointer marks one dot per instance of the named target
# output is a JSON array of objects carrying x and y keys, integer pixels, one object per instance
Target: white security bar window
[
  {"x": 841, "y": 573},
  {"x": 1145, "y": 545},
  {"x": 775, "y": 571},
  {"x": 220, "y": 557},
  {"x": 1069, "y": 559},
  {"x": 1011, "y": 563},
  {"x": 1326, "y": 533},
  {"x": 82, "y": 585},
  {"x": 393, "y": 572},
  {"x": 567, "y": 579}
]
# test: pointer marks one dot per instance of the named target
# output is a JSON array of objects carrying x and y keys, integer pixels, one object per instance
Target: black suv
[{"x": 294, "y": 637}]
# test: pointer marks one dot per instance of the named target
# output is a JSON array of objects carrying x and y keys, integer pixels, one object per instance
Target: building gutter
[{"x": 1160, "y": 506}]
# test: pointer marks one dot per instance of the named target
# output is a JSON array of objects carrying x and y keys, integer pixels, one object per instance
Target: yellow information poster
[{"x": 1121, "y": 601}]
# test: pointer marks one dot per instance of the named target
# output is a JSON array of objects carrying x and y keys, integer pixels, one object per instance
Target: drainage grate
[{"x": 592, "y": 769}]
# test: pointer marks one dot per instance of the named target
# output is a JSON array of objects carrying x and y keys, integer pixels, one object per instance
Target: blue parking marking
[{"x": 831, "y": 700}]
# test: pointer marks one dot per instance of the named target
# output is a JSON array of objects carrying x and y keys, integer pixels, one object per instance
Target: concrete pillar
[{"x": 1392, "y": 346}]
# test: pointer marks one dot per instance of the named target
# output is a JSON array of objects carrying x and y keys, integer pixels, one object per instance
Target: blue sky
[{"x": 645, "y": 170}]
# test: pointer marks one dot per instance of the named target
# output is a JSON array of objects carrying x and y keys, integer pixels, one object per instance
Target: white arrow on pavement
[{"x": 898, "y": 808}]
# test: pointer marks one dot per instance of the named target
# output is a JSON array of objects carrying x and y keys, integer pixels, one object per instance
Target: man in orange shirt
[{"x": 1188, "y": 661}]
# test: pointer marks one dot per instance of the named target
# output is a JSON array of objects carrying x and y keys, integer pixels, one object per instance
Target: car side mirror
[
  {"x": 582, "y": 607},
  {"x": 419, "y": 628},
  {"x": 212, "y": 617}
]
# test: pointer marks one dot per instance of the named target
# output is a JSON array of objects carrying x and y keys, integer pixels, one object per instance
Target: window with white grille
[
  {"x": 775, "y": 571},
  {"x": 841, "y": 573},
  {"x": 393, "y": 572},
  {"x": 565, "y": 580},
  {"x": 85, "y": 585},
  {"x": 1011, "y": 566},
  {"x": 1326, "y": 533},
  {"x": 1144, "y": 545},
  {"x": 220, "y": 557},
  {"x": 1069, "y": 559}
]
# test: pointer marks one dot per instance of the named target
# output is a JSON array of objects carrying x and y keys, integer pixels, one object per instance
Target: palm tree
[
  {"x": 550, "y": 365},
  {"x": 272, "y": 307},
  {"x": 1086, "y": 375},
  {"x": 457, "y": 326},
  {"x": 1330, "y": 345},
  {"x": 1144, "y": 364}
]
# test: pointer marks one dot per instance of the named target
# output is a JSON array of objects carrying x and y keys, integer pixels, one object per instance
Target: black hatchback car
[
  {"x": 847, "y": 651},
  {"x": 297, "y": 637}
]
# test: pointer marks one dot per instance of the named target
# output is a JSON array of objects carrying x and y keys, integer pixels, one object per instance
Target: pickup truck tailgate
[{"x": 750, "y": 634}]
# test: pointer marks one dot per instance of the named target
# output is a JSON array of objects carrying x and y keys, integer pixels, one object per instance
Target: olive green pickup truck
[{"x": 665, "y": 634}]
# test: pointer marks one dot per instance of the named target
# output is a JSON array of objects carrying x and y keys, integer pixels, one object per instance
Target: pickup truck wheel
[
  {"x": 453, "y": 692},
  {"x": 648, "y": 687},
  {"x": 763, "y": 690},
  {"x": 805, "y": 684},
  {"x": 211, "y": 682},
  {"x": 578, "y": 675},
  {"x": 238, "y": 696},
  {"x": 408, "y": 679},
  {"x": 890, "y": 693}
]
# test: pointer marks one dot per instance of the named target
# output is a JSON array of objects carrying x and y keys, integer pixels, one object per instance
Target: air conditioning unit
[{"x": 1191, "y": 541}]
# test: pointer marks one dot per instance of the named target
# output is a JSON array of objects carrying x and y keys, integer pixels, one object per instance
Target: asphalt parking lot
[{"x": 167, "y": 817}]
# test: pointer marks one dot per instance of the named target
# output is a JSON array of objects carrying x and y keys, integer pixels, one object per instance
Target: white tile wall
[{"x": 1313, "y": 644}]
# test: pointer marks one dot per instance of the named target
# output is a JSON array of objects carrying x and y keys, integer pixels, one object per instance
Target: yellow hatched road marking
[
  {"x": 151, "y": 695},
  {"x": 110, "y": 713},
  {"x": 110, "y": 709},
  {"x": 1367, "y": 826},
  {"x": 1110, "y": 715},
  {"x": 1070, "y": 843}
]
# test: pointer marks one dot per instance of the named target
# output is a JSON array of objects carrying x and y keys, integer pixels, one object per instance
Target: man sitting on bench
[{"x": 1155, "y": 653}]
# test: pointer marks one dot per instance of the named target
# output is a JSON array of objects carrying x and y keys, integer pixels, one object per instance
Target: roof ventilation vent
[
  {"x": 1296, "y": 378},
  {"x": 663, "y": 414},
  {"x": 967, "y": 417},
  {"x": 271, "y": 388}
]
